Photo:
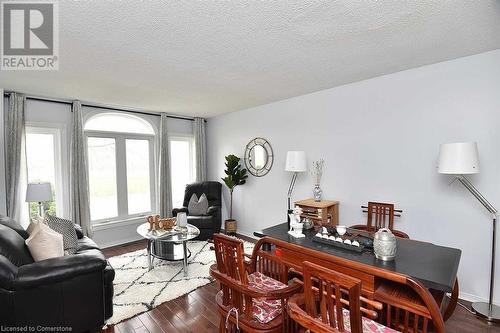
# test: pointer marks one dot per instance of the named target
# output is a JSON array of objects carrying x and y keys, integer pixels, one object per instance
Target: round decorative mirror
[{"x": 259, "y": 157}]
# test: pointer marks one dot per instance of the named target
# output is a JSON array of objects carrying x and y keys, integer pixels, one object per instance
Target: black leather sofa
[
  {"x": 73, "y": 291},
  {"x": 210, "y": 223}
]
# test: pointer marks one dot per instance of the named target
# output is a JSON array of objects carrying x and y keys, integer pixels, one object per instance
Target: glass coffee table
[{"x": 168, "y": 244}]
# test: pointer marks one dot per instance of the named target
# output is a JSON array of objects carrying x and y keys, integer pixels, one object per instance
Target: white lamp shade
[
  {"x": 39, "y": 192},
  {"x": 296, "y": 161},
  {"x": 460, "y": 158}
]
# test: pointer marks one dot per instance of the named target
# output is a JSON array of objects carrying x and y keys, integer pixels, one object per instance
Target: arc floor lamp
[
  {"x": 460, "y": 159},
  {"x": 295, "y": 162}
]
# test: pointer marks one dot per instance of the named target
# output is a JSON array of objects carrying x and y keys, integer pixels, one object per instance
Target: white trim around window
[
  {"x": 61, "y": 159},
  {"x": 121, "y": 175}
]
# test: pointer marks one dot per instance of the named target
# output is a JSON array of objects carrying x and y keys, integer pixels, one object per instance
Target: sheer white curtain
[
  {"x": 165, "y": 181},
  {"x": 80, "y": 204},
  {"x": 15, "y": 158},
  {"x": 200, "y": 143}
]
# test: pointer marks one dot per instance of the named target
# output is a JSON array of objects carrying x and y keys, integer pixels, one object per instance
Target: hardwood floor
[{"x": 197, "y": 312}]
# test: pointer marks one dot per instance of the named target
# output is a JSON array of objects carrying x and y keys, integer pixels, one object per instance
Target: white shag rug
[{"x": 137, "y": 290}]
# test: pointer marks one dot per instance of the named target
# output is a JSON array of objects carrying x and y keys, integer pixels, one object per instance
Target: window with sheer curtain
[
  {"x": 121, "y": 167},
  {"x": 44, "y": 163},
  {"x": 181, "y": 166}
]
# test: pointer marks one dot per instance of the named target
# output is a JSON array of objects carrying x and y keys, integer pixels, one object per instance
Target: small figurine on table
[{"x": 154, "y": 222}]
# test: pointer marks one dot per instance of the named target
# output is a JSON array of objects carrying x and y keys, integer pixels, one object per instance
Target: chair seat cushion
[
  {"x": 265, "y": 310},
  {"x": 201, "y": 222},
  {"x": 369, "y": 325}
]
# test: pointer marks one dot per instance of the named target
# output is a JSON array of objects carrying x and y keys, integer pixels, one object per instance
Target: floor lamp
[
  {"x": 460, "y": 159},
  {"x": 295, "y": 162}
]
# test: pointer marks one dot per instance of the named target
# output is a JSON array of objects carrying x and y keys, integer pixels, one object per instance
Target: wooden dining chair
[
  {"x": 331, "y": 303},
  {"x": 254, "y": 288},
  {"x": 380, "y": 215}
]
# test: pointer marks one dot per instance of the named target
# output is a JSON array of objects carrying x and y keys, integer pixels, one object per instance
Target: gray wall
[{"x": 380, "y": 139}]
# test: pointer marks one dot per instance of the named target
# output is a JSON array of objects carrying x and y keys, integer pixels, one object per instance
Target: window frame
[
  {"x": 192, "y": 153},
  {"x": 121, "y": 171},
  {"x": 61, "y": 163}
]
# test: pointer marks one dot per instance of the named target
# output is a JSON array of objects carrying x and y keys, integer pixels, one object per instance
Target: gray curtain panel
[
  {"x": 165, "y": 181},
  {"x": 200, "y": 143},
  {"x": 15, "y": 154},
  {"x": 80, "y": 204}
]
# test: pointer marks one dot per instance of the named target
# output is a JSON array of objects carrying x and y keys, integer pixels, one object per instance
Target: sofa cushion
[
  {"x": 201, "y": 222},
  {"x": 13, "y": 248},
  {"x": 85, "y": 244},
  {"x": 198, "y": 206},
  {"x": 67, "y": 229},
  {"x": 45, "y": 243},
  {"x": 8, "y": 222}
]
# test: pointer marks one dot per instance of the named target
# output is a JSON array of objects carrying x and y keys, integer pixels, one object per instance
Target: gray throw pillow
[
  {"x": 67, "y": 229},
  {"x": 198, "y": 207}
]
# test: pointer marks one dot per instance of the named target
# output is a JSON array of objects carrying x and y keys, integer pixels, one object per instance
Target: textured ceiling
[{"x": 211, "y": 57}]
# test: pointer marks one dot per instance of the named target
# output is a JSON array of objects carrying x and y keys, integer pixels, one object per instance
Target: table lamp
[
  {"x": 460, "y": 159},
  {"x": 39, "y": 192},
  {"x": 295, "y": 162}
]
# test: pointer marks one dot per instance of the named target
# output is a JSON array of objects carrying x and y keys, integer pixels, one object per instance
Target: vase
[{"x": 317, "y": 192}]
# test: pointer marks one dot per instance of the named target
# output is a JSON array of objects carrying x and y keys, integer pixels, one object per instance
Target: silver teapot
[{"x": 384, "y": 245}]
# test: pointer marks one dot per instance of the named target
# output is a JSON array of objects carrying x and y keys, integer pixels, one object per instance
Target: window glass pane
[
  {"x": 40, "y": 159},
  {"x": 138, "y": 181},
  {"x": 102, "y": 178},
  {"x": 181, "y": 172},
  {"x": 116, "y": 122}
]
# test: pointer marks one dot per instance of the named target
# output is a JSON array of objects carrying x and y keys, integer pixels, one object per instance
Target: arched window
[
  {"x": 119, "y": 122},
  {"x": 121, "y": 166}
]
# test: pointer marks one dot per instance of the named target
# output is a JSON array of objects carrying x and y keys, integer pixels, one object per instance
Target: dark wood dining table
[{"x": 434, "y": 266}]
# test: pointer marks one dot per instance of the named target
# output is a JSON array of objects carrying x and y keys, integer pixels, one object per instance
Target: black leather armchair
[
  {"x": 210, "y": 223},
  {"x": 72, "y": 291}
]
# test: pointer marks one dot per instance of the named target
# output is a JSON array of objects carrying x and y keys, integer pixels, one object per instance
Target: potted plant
[{"x": 235, "y": 175}]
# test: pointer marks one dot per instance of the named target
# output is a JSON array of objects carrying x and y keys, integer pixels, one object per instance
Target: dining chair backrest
[
  {"x": 380, "y": 215},
  {"x": 327, "y": 293}
]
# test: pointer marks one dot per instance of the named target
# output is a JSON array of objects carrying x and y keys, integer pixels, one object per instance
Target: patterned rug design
[{"x": 138, "y": 290}]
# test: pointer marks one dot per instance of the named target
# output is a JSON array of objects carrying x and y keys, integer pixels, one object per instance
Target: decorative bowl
[
  {"x": 341, "y": 229},
  {"x": 167, "y": 223}
]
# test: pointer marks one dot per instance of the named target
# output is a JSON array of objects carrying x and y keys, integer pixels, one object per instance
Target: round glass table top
[{"x": 176, "y": 234}]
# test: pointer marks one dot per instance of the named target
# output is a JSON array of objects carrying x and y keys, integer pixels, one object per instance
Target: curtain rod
[{"x": 66, "y": 102}]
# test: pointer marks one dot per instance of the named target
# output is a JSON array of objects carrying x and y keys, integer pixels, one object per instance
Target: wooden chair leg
[
  {"x": 222, "y": 325},
  {"x": 452, "y": 304}
]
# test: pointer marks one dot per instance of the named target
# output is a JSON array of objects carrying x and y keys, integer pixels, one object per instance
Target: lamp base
[{"x": 483, "y": 309}]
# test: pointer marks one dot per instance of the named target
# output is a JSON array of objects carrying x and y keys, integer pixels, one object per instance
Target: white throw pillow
[
  {"x": 45, "y": 243},
  {"x": 198, "y": 207},
  {"x": 34, "y": 221}
]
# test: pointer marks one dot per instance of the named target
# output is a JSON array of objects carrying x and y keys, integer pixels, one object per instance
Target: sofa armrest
[
  {"x": 79, "y": 231},
  {"x": 175, "y": 211},
  {"x": 59, "y": 269},
  {"x": 212, "y": 210}
]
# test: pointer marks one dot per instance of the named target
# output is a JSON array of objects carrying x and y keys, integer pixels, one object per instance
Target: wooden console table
[{"x": 320, "y": 211}]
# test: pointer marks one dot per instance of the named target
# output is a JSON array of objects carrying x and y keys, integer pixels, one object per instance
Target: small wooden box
[{"x": 319, "y": 212}]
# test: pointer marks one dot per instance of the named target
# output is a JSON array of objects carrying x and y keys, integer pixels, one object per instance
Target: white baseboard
[
  {"x": 250, "y": 235},
  {"x": 473, "y": 298},
  {"x": 119, "y": 242}
]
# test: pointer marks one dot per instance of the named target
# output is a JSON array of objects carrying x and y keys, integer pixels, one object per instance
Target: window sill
[{"x": 120, "y": 223}]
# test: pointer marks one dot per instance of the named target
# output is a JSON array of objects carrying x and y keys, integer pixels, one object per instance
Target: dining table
[{"x": 434, "y": 266}]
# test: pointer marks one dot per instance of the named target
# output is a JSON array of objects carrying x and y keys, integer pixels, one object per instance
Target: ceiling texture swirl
[{"x": 207, "y": 58}]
